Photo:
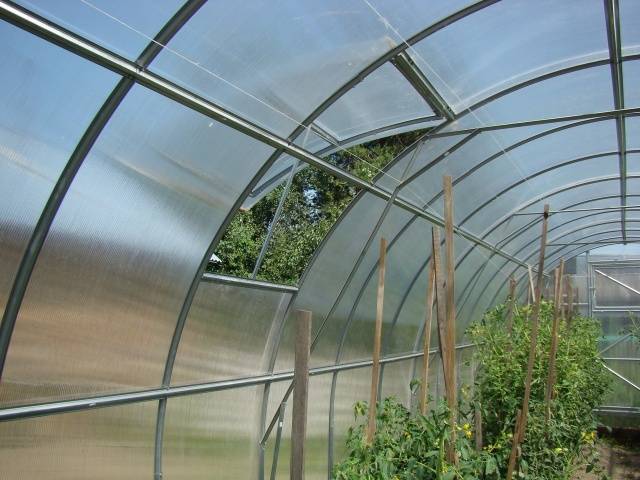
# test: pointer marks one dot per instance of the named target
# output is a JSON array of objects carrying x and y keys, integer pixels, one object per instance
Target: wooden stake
[
  {"x": 519, "y": 436},
  {"x": 427, "y": 339},
  {"x": 569, "y": 301},
  {"x": 375, "y": 370},
  {"x": 532, "y": 288},
  {"x": 442, "y": 332},
  {"x": 300, "y": 394},
  {"x": 557, "y": 308},
  {"x": 450, "y": 291},
  {"x": 512, "y": 304},
  {"x": 478, "y": 427}
]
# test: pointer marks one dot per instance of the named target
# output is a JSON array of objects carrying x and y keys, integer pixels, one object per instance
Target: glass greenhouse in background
[{"x": 136, "y": 138}]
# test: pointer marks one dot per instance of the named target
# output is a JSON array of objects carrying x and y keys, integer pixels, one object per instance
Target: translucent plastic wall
[{"x": 131, "y": 133}]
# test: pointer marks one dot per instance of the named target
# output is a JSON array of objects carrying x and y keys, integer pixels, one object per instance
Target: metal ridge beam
[
  {"x": 107, "y": 59},
  {"x": 612, "y": 12},
  {"x": 422, "y": 85}
]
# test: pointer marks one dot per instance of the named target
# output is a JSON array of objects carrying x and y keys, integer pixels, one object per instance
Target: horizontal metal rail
[
  {"x": 101, "y": 56},
  {"x": 572, "y": 210},
  {"x": 246, "y": 282},
  {"x": 65, "y": 406}
]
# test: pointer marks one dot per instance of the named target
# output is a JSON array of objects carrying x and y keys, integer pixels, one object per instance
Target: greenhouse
[{"x": 227, "y": 229}]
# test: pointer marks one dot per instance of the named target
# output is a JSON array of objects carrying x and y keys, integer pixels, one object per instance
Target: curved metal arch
[
  {"x": 484, "y": 162},
  {"x": 543, "y": 197},
  {"x": 577, "y": 229}
]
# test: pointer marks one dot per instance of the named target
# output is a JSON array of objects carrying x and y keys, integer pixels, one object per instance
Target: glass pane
[
  {"x": 106, "y": 443},
  {"x": 48, "y": 99},
  {"x": 630, "y": 26},
  {"x": 119, "y": 25},
  {"x": 382, "y": 99},
  {"x": 465, "y": 64},
  {"x": 226, "y": 333},
  {"x": 128, "y": 239},
  {"x": 274, "y": 76},
  {"x": 212, "y": 435}
]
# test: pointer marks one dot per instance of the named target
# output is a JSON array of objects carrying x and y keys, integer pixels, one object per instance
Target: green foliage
[
  {"x": 410, "y": 446},
  {"x": 314, "y": 203},
  {"x": 550, "y": 450}
]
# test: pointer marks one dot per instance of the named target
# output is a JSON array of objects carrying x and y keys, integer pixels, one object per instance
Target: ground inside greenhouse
[{"x": 619, "y": 458}]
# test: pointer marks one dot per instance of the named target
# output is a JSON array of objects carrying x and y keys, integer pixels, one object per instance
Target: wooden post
[
  {"x": 427, "y": 339},
  {"x": 557, "y": 308},
  {"x": 375, "y": 370},
  {"x": 442, "y": 332},
  {"x": 519, "y": 436},
  {"x": 512, "y": 304},
  {"x": 300, "y": 394}
]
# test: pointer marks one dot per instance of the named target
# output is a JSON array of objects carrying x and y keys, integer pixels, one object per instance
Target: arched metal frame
[{"x": 130, "y": 77}]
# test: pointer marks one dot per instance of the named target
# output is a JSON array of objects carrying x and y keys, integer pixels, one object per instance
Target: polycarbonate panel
[
  {"x": 490, "y": 50},
  {"x": 416, "y": 15},
  {"x": 274, "y": 63},
  {"x": 508, "y": 230},
  {"x": 409, "y": 162},
  {"x": 212, "y": 435},
  {"x": 526, "y": 160},
  {"x": 509, "y": 201},
  {"x": 580, "y": 226},
  {"x": 631, "y": 72},
  {"x": 226, "y": 332},
  {"x": 48, "y": 99},
  {"x": 396, "y": 380},
  {"x": 581, "y": 92},
  {"x": 633, "y": 131},
  {"x": 462, "y": 158},
  {"x": 389, "y": 132},
  {"x": 608, "y": 289},
  {"x": 383, "y": 98},
  {"x": 633, "y": 163},
  {"x": 119, "y": 25},
  {"x": 352, "y": 386},
  {"x": 360, "y": 321},
  {"x": 106, "y": 292},
  {"x": 316, "y": 445},
  {"x": 567, "y": 196},
  {"x": 326, "y": 276},
  {"x": 106, "y": 443},
  {"x": 630, "y": 26}
]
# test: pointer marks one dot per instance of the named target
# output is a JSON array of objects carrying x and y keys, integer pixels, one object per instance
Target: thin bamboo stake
[
  {"x": 519, "y": 436},
  {"x": 375, "y": 370},
  {"x": 442, "y": 331},
  {"x": 512, "y": 304},
  {"x": 478, "y": 427},
  {"x": 300, "y": 394},
  {"x": 551, "y": 378},
  {"x": 427, "y": 339}
]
